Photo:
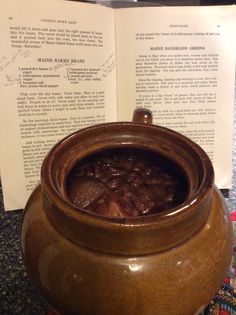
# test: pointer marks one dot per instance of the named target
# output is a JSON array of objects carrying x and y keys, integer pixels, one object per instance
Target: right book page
[{"x": 180, "y": 63}]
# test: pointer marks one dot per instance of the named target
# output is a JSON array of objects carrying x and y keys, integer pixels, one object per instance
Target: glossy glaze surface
[
  {"x": 88, "y": 264},
  {"x": 78, "y": 280}
]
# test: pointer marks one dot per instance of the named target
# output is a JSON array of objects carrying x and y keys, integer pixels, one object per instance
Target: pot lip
[{"x": 176, "y": 213}]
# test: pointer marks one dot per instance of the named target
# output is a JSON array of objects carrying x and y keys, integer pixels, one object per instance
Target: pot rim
[
  {"x": 127, "y": 236},
  {"x": 72, "y": 210}
]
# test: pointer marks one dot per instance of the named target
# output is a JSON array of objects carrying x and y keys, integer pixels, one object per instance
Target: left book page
[{"x": 57, "y": 75}]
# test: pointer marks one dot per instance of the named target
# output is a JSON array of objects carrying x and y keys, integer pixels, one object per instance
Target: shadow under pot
[{"x": 127, "y": 220}]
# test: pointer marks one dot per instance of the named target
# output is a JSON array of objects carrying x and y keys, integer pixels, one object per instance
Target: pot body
[
  {"x": 168, "y": 263},
  {"x": 78, "y": 280}
]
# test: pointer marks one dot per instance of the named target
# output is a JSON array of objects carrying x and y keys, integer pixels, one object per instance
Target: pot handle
[{"x": 142, "y": 115}]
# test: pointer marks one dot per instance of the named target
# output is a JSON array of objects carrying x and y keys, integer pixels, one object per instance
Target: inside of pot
[{"x": 126, "y": 182}]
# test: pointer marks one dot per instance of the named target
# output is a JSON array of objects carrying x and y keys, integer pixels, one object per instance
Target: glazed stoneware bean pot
[{"x": 168, "y": 263}]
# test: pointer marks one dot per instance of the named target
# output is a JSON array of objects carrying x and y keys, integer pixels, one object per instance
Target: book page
[
  {"x": 180, "y": 63},
  {"x": 57, "y": 75}
]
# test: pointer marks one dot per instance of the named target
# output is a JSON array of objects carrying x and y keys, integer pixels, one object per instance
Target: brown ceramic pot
[{"x": 168, "y": 263}]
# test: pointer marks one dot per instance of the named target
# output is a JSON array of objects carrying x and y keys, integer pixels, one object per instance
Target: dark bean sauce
[{"x": 126, "y": 183}]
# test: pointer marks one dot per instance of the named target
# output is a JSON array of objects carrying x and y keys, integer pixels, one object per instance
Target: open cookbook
[{"x": 68, "y": 65}]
